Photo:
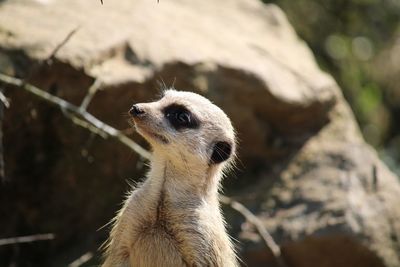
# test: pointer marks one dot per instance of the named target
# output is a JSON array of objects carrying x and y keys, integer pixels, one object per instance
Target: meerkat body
[{"x": 173, "y": 218}]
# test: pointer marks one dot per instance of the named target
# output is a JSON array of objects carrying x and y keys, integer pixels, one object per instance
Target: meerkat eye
[
  {"x": 183, "y": 118},
  {"x": 180, "y": 117}
]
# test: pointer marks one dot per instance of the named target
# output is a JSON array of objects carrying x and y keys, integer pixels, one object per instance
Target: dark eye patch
[{"x": 180, "y": 117}]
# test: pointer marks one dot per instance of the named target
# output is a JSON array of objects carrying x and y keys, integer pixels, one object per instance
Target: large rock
[
  {"x": 304, "y": 170},
  {"x": 332, "y": 204}
]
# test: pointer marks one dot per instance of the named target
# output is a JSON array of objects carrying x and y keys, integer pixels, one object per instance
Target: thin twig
[
  {"x": 250, "y": 217},
  {"x": 81, "y": 260},
  {"x": 61, "y": 45},
  {"x": 85, "y": 124},
  {"x": 4, "y": 100},
  {"x": 37, "y": 66},
  {"x": 89, "y": 96},
  {"x": 5, "y": 104},
  {"x": 101, "y": 1},
  {"x": 66, "y": 106},
  {"x": 26, "y": 239}
]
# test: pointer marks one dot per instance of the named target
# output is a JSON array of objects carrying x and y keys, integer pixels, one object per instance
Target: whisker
[
  {"x": 173, "y": 83},
  {"x": 162, "y": 87}
]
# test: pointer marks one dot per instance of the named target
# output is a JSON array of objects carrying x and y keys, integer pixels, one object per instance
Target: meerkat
[{"x": 173, "y": 218}]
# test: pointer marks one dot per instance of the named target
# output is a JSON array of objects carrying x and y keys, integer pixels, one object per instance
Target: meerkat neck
[{"x": 183, "y": 179}]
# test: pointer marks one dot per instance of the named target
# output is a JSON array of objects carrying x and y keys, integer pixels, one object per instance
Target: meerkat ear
[{"x": 221, "y": 151}]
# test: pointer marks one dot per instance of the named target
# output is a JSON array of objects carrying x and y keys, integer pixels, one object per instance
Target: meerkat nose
[{"x": 135, "y": 111}]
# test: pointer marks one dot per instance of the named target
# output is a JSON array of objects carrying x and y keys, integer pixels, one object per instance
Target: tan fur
[{"x": 173, "y": 219}]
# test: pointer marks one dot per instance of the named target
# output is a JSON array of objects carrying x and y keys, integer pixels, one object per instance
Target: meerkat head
[{"x": 186, "y": 127}]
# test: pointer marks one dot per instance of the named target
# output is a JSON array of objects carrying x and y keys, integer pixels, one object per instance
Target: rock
[
  {"x": 334, "y": 197},
  {"x": 305, "y": 170},
  {"x": 137, "y": 49}
]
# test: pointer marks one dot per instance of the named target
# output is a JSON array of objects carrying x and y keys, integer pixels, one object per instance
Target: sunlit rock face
[{"x": 304, "y": 168}]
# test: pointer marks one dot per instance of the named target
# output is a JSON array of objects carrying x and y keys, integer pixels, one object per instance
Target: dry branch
[
  {"x": 262, "y": 231},
  {"x": 89, "y": 96},
  {"x": 81, "y": 260},
  {"x": 36, "y": 67},
  {"x": 61, "y": 45},
  {"x": 26, "y": 239},
  {"x": 4, "y": 103},
  {"x": 66, "y": 107},
  {"x": 4, "y": 100}
]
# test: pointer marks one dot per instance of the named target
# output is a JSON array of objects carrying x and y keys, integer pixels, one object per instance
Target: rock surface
[{"x": 306, "y": 172}]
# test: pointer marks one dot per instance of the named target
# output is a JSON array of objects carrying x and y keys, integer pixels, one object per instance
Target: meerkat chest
[{"x": 179, "y": 232}]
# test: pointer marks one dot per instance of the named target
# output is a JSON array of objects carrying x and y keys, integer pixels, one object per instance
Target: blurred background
[
  {"x": 314, "y": 149},
  {"x": 358, "y": 43}
]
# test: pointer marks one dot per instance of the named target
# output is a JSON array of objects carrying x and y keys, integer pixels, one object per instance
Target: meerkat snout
[{"x": 136, "y": 111}]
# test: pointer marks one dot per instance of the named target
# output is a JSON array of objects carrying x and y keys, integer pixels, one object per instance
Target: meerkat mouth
[
  {"x": 150, "y": 134},
  {"x": 161, "y": 138}
]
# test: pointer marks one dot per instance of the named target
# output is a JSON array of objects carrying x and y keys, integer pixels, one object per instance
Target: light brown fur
[{"x": 173, "y": 218}]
